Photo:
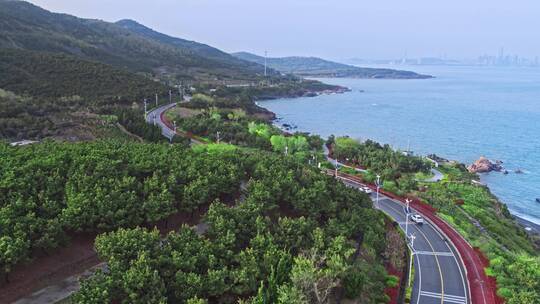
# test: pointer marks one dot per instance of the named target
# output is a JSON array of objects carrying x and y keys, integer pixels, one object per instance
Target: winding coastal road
[{"x": 439, "y": 276}]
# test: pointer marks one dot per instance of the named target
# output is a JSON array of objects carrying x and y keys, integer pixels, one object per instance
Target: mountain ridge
[
  {"x": 26, "y": 26},
  {"x": 318, "y": 67}
]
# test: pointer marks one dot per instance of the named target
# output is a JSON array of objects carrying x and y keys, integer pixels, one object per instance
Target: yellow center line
[
  {"x": 433, "y": 250},
  {"x": 429, "y": 243}
]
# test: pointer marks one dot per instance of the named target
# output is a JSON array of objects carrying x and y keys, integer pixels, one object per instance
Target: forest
[{"x": 276, "y": 230}]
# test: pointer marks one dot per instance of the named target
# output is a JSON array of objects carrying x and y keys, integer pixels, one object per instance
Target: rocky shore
[{"x": 484, "y": 165}]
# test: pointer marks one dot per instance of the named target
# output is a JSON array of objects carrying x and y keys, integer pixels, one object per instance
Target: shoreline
[{"x": 529, "y": 226}]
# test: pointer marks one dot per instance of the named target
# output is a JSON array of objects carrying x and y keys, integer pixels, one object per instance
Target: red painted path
[{"x": 483, "y": 289}]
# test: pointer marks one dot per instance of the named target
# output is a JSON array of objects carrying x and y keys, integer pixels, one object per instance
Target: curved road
[
  {"x": 154, "y": 117},
  {"x": 440, "y": 276}
]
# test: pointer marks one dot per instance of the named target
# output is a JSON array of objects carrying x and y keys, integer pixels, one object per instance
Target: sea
[{"x": 463, "y": 113}]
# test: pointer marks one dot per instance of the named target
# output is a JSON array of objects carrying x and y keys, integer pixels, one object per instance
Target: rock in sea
[{"x": 484, "y": 165}]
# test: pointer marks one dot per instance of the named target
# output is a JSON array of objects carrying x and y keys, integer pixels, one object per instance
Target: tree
[
  {"x": 142, "y": 282},
  {"x": 12, "y": 251},
  {"x": 317, "y": 275},
  {"x": 288, "y": 294},
  {"x": 124, "y": 246}
]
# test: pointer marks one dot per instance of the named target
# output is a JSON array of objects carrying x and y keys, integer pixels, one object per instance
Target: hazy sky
[{"x": 337, "y": 29}]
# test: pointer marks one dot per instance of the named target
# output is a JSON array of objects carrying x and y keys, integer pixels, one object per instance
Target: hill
[
  {"x": 61, "y": 96},
  {"x": 126, "y": 44},
  {"x": 317, "y": 67}
]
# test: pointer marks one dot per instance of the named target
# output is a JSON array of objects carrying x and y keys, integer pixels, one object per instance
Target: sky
[{"x": 334, "y": 29}]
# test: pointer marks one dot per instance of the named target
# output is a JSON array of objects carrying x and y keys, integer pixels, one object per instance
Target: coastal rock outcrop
[{"x": 484, "y": 165}]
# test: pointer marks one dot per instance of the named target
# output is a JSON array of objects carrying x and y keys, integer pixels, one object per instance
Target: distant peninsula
[{"x": 318, "y": 67}]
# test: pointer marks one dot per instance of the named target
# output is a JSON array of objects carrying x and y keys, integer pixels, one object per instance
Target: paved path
[
  {"x": 437, "y": 176},
  {"x": 440, "y": 276}
]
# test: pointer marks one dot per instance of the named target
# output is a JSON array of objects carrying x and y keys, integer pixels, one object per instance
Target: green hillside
[
  {"x": 317, "y": 67},
  {"x": 126, "y": 44},
  {"x": 56, "y": 95}
]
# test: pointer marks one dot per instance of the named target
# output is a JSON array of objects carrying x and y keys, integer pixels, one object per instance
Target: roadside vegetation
[
  {"x": 471, "y": 209},
  {"x": 277, "y": 230}
]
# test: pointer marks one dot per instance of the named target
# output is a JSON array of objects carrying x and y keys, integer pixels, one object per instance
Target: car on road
[
  {"x": 366, "y": 190},
  {"x": 417, "y": 218}
]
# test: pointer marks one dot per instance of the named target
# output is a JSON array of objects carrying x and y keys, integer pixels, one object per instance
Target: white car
[
  {"x": 366, "y": 190},
  {"x": 417, "y": 218}
]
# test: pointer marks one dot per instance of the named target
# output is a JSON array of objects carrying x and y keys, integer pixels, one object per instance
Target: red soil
[
  {"x": 50, "y": 269},
  {"x": 393, "y": 292}
]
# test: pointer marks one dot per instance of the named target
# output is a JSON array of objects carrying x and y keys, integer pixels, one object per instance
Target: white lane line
[
  {"x": 434, "y": 253},
  {"x": 465, "y": 291},
  {"x": 419, "y": 280},
  {"x": 447, "y": 297}
]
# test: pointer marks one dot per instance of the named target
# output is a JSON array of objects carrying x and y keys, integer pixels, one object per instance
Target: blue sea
[{"x": 462, "y": 114}]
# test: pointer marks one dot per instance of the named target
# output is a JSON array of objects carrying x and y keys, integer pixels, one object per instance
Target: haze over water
[{"x": 462, "y": 114}]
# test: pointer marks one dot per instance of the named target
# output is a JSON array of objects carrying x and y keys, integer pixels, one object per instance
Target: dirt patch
[
  {"x": 76, "y": 258},
  {"x": 50, "y": 269}
]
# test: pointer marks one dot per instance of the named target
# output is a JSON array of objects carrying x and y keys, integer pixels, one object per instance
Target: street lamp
[
  {"x": 145, "y": 107},
  {"x": 407, "y": 218},
  {"x": 378, "y": 187}
]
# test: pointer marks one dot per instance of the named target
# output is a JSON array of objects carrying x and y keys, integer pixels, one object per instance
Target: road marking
[
  {"x": 419, "y": 280},
  {"x": 423, "y": 234},
  {"x": 432, "y": 249},
  {"x": 447, "y": 298},
  {"x": 434, "y": 253},
  {"x": 465, "y": 289}
]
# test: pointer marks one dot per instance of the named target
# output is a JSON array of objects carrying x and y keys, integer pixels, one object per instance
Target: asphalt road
[
  {"x": 154, "y": 117},
  {"x": 439, "y": 277}
]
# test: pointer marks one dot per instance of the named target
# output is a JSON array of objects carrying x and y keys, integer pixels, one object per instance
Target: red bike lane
[{"x": 482, "y": 288}]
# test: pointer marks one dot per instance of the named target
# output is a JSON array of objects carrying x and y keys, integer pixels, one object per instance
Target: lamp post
[
  {"x": 378, "y": 186},
  {"x": 407, "y": 218}
]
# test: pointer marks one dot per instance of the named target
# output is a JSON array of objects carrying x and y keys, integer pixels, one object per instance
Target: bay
[{"x": 462, "y": 114}]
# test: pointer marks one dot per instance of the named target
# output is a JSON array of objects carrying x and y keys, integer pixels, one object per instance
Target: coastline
[{"x": 529, "y": 226}]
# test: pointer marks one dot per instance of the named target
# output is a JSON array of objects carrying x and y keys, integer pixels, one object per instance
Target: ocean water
[{"x": 462, "y": 114}]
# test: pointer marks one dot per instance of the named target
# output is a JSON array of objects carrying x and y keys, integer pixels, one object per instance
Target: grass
[{"x": 422, "y": 176}]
